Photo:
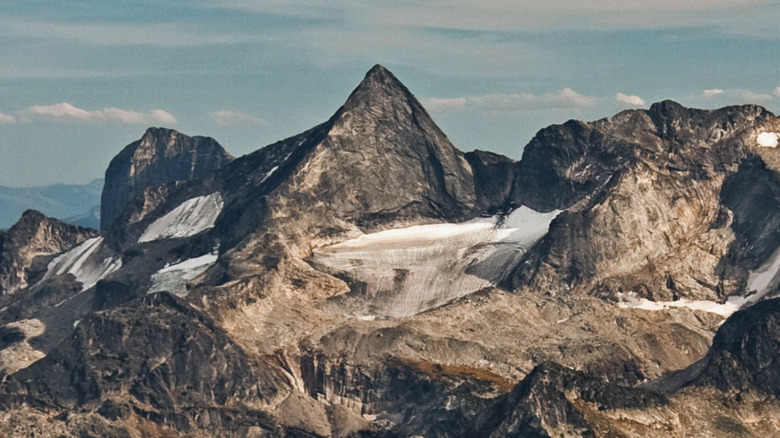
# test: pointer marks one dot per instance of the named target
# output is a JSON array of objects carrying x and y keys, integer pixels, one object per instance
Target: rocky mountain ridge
[
  {"x": 32, "y": 239},
  {"x": 366, "y": 278}
]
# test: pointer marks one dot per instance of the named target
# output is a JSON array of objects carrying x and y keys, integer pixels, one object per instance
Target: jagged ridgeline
[{"x": 367, "y": 278}]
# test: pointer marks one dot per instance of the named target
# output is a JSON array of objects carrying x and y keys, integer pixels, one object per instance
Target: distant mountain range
[{"x": 71, "y": 203}]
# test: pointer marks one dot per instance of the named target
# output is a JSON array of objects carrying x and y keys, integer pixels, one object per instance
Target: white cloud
[
  {"x": 712, "y": 92},
  {"x": 566, "y": 98},
  {"x": 229, "y": 118},
  {"x": 629, "y": 99},
  {"x": 776, "y": 92},
  {"x": 67, "y": 112},
  {"x": 163, "y": 116},
  {"x": 7, "y": 118}
]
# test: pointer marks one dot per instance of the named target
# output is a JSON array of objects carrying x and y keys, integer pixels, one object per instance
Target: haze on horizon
[{"x": 79, "y": 80}]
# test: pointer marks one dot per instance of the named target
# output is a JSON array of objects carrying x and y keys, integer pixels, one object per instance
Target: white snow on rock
[
  {"x": 174, "y": 278},
  {"x": 89, "y": 262},
  {"x": 768, "y": 139},
  {"x": 631, "y": 301},
  {"x": 760, "y": 283},
  {"x": 188, "y": 219},
  {"x": 406, "y": 271}
]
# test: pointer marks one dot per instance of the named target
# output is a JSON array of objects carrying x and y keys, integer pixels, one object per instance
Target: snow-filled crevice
[
  {"x": 188, "y": 219},
  {"x": 406, "y": 271},
  {"x": 89, "y": 262}
]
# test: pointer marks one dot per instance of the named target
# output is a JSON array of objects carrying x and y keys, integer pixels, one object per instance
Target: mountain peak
[
  {"x": 379, "y": 73},
  {"x": 158, "y": 132},
  {"x": 160, "y": 156},
  {"x": 380, "y": 89}
]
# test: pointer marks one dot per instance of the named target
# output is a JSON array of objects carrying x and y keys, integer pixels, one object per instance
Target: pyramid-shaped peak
[
  {"x": 379, "y": 73},
  {"x": 380, "y": 89}
]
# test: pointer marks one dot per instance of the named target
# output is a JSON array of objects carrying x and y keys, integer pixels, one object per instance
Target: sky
[{"x": 81, "y": 79}]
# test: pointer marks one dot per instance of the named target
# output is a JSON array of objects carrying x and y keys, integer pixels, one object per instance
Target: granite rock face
[
  {"x": 32, "y": 239},
  {"x": 160, "y": 156}
]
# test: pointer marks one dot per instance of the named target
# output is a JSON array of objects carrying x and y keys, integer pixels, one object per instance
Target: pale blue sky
[{"x": 80, "y": 79}]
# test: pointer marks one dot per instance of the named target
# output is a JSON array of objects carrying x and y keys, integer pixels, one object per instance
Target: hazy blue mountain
[{"x": 62, "y": 201}]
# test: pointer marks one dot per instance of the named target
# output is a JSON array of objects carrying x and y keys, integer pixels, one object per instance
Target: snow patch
[
  {"x": 87, "y": 262},
  {"x": 768, "y": 139},
  {"x": 188, "y": 219},
  {"x": 270, "y": 172},
  {"x": 174, "y": 278},
  {"x": 631, "y": 301},
  {"x": 406, "y": 271},
  {"x": 760, "y": 283}
]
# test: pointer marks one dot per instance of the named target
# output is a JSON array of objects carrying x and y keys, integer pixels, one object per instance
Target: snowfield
[
  {"x": 174, "y": 278},
  {"x": 88, "y": 262},
  {"x": 188, "y": 219},
  {"x": 406, "y": 271}
]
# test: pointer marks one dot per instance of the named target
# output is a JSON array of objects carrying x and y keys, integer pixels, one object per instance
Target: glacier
[
  {"x": 188, "y": 219},
  {"x": 402, "y": 272}
]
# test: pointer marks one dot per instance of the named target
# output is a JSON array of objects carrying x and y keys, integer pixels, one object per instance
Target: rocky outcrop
[
  {"x": 160, "y": 156},
  {"x": 494, "y": 176},
  {"x": 554, "y": 400},
  {"x": 158, "y": 359},
  {"x": 31, "y": 240},
  {"x": 745, "y": 353},
  {"x": 646, "y": 189}
]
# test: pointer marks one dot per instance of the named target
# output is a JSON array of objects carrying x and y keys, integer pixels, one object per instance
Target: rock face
[
  {"x": 160, "y": 156},
  {"x": 173, "y": 361},
  {"x": 645, "y": 190},
  {"x": 32, "y": 239},
  {"x": 366, "y": 278},
  {"x": 379, "y": 160},
  {"x": 745, "y": 353}
]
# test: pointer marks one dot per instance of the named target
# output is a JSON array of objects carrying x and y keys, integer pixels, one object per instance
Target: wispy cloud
[
  {"x": 121, "y": 34},
  {"x": 712, "y": 92},
  {"x": 229, "y": 118},
  {"x": 566, "y": 98},
  {"x": 752, "y": 96},
  {"x": 7, "y": 118},
  {"x": 66, "y": 112},
  {"x": 716, "y": 97},
  {"x": 526, "y": 15},
  {"x": 629, "y": 99}
]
